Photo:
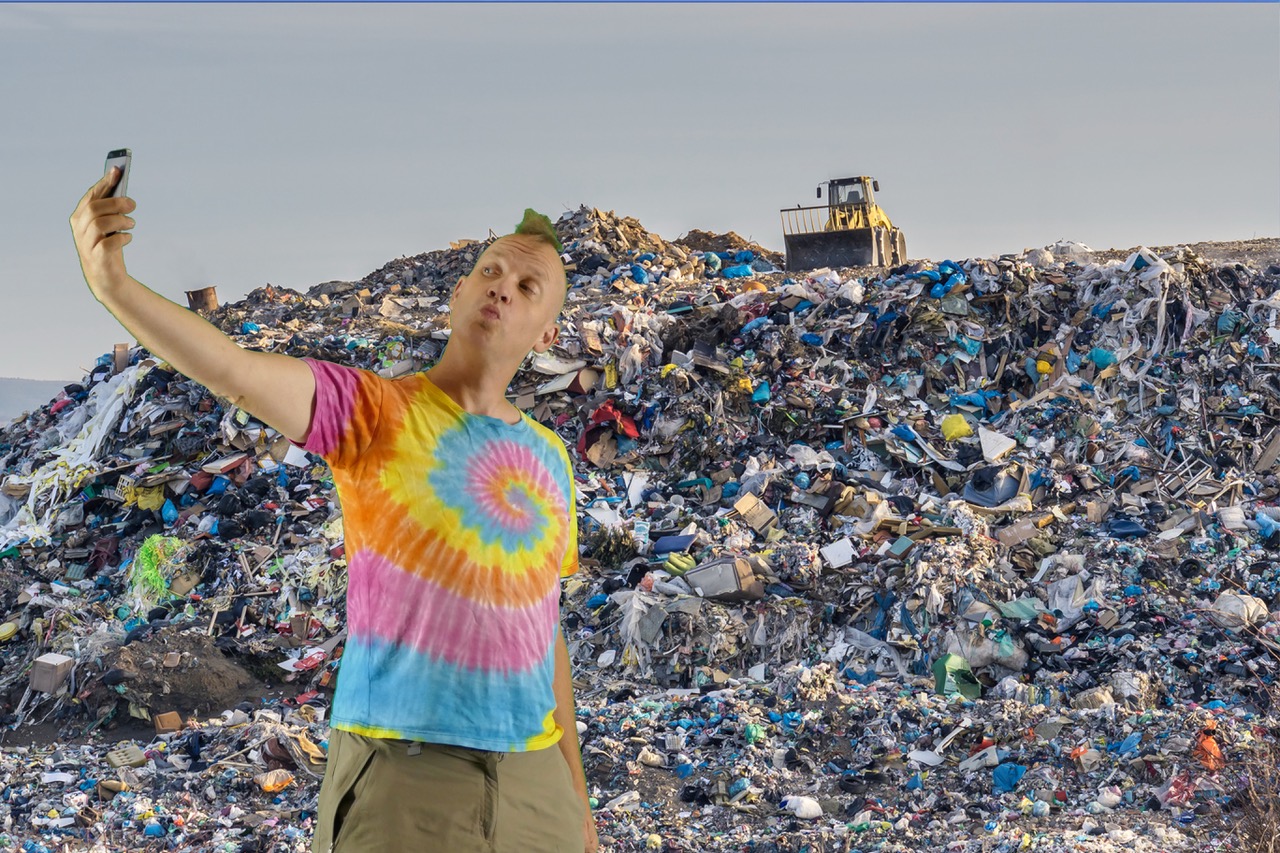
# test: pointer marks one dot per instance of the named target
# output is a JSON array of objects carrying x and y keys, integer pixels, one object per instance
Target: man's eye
[{"x": 488, "y": 270}]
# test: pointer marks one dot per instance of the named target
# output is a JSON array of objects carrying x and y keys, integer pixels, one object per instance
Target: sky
[{"x": 297, "y": 144}]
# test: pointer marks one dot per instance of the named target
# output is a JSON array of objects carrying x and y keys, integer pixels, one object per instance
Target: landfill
[{"x": 975, "y": 555}]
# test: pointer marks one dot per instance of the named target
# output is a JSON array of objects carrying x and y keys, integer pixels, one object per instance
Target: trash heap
[{"x": 975, "y": 555}]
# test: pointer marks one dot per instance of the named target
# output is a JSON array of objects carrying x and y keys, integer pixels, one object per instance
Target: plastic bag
[
  {"x": 1235, "y": 611},
  {"x": 274, "y": 780},
  {"x": 1006, "y": 777},
  {"x": 955, "y": 426},
  {"x": 1102, "y": 358}
]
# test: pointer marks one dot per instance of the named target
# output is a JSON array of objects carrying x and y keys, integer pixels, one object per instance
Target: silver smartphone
[{"x": 120, "y": 157}]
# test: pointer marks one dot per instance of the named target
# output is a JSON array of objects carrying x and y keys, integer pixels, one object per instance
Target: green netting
[{"x": 147, "y": 579}]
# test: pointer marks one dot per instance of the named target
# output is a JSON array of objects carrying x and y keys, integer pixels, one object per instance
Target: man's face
[{"x": 509, "y": 303}]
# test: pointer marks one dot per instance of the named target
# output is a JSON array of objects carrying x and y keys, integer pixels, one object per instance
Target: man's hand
[
  {"x": 100, "y": 228},
  {"x": 589, "y": 832},
  {"x": 275, "y": 388}
]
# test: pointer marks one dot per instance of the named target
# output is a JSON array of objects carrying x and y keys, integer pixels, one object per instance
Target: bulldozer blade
[{"x": 853, "y": 248}]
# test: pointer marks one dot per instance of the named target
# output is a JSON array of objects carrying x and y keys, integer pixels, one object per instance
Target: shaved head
[
  {"x": 545, "y": 261},
  {"x": 533, "y": 244}
]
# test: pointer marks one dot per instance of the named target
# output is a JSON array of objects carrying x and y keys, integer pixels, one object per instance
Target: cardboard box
[
  {"x": 755, "y": 513},
  {"x": 1017, "y": 533},
  {"x": 169, "y": 721},
  {"x": 49, "y": 672}
]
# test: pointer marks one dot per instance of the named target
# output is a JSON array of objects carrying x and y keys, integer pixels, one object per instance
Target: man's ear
[{"x": 549, "y": 337}]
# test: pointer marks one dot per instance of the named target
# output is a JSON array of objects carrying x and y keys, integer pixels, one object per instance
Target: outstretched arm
[{"x": 276, "y": 389}]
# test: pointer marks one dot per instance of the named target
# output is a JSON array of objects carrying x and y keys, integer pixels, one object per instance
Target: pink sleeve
[{"x": 345, "y": 419}]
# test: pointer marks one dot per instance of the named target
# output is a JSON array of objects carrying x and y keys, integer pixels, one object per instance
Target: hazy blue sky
[{"x": 295, "y": 144}]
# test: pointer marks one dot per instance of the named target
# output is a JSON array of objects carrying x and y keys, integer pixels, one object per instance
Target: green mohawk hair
[{"x": 535, "y": 224}]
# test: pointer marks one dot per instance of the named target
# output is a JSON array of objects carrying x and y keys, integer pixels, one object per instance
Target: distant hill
[{"x": 23, "y": 395}]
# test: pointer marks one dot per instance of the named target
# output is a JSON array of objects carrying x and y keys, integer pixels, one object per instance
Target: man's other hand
[{"x": 589, "y": 831}]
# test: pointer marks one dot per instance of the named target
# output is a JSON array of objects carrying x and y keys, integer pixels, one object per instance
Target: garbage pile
[{"x": 975, "y": 555}]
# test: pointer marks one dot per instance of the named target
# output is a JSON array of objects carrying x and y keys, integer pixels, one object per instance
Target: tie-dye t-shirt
[{"x": 458, "y": 528}]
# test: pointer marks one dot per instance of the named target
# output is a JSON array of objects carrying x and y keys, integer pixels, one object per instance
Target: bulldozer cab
[
  {"x": 849, "y": 230},
  {"x": 848, "y": 191},
  {"x": 851, "y": 204}
]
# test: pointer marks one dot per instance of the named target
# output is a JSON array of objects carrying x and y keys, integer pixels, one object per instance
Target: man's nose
[{"x": 500, "y": 289}]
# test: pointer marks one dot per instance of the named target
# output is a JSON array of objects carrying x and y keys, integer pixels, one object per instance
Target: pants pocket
[
  {"x": 349, "y": 761},
  {"x": 539, "y": 811}
]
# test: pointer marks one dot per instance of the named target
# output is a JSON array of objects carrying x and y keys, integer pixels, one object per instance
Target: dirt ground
[
  {"x": 173, "y": 669},
  {"x": 182, "y": 671}
]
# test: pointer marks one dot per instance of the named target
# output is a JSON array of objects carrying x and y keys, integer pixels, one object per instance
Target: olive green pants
[{"x": 397, "y": 796}]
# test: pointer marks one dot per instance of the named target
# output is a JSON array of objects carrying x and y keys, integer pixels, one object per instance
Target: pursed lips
[{"x": 491, "y": 312}]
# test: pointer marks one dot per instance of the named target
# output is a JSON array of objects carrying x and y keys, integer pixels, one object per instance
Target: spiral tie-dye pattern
[{"x": 458, "y": 528}]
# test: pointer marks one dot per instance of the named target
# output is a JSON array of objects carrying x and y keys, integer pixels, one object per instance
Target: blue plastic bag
[
  {"x": 1267, "y": 526},
  {"x": 974, "y": 398},
  {"x": 1006, "y": 777},
  {"x": 904, "y": 432},
  {"x": 1102, "y": 358},
  {"x": 1133, "y": 472},
  {"x": 1128, "y": 745},
  {"x": 739, "y": 271},
  {"x": 968, "y": 344},
  {"x": 1229, "y": 320},
  {"x": 1124, "y": 528}
]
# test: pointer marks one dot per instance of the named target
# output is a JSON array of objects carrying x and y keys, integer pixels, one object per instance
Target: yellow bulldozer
[{"x": 850, "y": 230}]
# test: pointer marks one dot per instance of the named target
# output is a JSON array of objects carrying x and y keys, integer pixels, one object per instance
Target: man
[{"x": 459, "y": 519}]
